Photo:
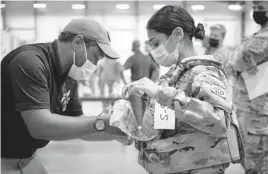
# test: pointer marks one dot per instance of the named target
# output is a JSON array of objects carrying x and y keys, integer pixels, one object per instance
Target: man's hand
[{"x": 114, "y": 132}]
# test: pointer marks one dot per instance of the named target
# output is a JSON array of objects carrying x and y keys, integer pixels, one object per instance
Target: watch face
[{"x": 100, "y": 125}]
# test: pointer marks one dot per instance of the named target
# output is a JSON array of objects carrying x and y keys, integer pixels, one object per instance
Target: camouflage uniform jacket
[
  {"x": 252, "y": 52},
  {"x": 197, "y": 90}
]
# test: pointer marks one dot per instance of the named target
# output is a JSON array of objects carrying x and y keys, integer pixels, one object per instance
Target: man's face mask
[
  {"x": 214, "y": 43},
  {"x": 84, "y": 71},
  {"x": 163, "y": 57},
  {"x": 260, "y": 17}
]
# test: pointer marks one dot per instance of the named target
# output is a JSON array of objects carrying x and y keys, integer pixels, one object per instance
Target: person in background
[
  {"x": 90, "y": 84},
  {"x": 205, "y": 44},
  {"x": 252, "y": 114},
  {"x": 154, "y": 68},
  {"x": 140, "y": 66},
  {"x": 109, "y": 72},
  {"x": 216, "y": 48},
  {"x": 40, "y": 98},
  {"x": 220, "y": 53}
]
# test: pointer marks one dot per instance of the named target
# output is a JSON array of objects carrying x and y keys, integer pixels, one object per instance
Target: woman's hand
[{"x": 140, "y": 87}]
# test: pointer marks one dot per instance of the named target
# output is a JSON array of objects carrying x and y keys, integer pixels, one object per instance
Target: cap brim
[{"x": 108, "y": 51}]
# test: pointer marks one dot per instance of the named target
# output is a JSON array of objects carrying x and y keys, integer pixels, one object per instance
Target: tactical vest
[{"x": 187, "y": 148}]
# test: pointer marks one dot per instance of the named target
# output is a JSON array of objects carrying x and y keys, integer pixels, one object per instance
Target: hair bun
[{"x": 199, "y": 32}]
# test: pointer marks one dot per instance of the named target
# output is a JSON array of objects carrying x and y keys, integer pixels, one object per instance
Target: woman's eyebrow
[{"x": 150, "y": 40}]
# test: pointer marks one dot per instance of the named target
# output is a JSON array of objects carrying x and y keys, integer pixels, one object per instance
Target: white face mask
[
  {"x": 83, "y": 72},
  {"x": 163, "y": 57}
]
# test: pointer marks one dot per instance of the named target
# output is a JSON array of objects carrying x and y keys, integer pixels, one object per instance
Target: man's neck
[
  {"x": 137, "y": 51},
  {"x": 65, "y": 61}
]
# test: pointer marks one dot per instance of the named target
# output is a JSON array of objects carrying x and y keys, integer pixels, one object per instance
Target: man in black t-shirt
[{"x": 39, "y": 86}]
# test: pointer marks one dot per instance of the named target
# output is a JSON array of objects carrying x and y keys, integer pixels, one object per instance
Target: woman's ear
[
  {"x": 77, "y": 41},
  {"x": 178, "y": 34}
]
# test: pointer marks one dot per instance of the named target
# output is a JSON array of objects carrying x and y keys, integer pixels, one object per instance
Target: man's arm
[
  {"x": 121, "y": 71},
  {"x": 42, "y": 124},
  {"x": 128, "y": 63}
]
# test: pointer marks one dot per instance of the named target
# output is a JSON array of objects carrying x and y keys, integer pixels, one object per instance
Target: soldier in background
[
  {"x": 216, "y": 48},
  {"x": 253, "y": 114}
]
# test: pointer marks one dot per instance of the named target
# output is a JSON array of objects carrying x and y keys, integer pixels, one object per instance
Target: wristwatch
[{"x": 100, "y": 125}]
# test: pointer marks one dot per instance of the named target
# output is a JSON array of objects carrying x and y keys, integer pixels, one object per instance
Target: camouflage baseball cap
[{"x": 92, "y": 30}]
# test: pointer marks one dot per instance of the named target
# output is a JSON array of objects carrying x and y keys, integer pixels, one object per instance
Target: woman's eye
[{"x": 156, "y": 44}]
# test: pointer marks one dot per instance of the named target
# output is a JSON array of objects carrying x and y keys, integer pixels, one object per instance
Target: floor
[{"x": 83, "y": 157}]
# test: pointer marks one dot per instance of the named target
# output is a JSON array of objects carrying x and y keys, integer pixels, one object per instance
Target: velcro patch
[{"x": 219, "y": 91}]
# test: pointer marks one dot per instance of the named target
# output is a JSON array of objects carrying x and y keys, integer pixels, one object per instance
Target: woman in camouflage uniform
[{"x": 195, "y": 87}]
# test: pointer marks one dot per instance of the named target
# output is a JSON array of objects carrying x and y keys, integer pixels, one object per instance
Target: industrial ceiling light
[
  {"x": 39, "y": 5},
  {"x": 78, "y": 6},
  {"x": 158, "y": 6},
  {"x": 3, "y": 5},
  {"x": 235, "y": 7},
  {"x": 198, "y": 7},
  {"x": 122, "y": 6}
]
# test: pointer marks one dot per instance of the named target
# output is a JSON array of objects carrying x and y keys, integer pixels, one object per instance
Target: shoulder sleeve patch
[{"x": 218, "y": 91}]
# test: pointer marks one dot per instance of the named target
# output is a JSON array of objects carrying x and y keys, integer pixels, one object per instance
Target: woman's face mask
[
  {"x": 162, "y": 56},
  {"x": 84, "y": 71}
]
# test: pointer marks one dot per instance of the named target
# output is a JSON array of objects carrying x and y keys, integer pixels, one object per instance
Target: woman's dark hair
[
  {"x": 169, "y": 17},
  {"x": 68, "y": 37}
]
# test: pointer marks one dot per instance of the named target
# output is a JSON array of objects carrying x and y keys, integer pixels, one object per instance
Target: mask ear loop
[
  {"x": 84, "y": 44},
  {"x": 74, "y": 57},
  {"x": 173, "y": 33},
  {"x": 85, "y": 50}
]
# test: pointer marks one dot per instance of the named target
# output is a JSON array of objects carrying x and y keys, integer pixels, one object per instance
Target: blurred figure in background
[
  {"x": 87, "y": 86},
  {"x": 205, "y": 44},
  {"x": 154, "y": 68},
  {"x": 140, "y": 66},
  {"x": 109, "y": 72},
  {"x": 216, "y": 48},
  {"x": 253, "y": 114}
]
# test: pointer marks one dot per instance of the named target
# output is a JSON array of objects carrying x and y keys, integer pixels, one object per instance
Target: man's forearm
[
  {"x": 67, "y": 128},
  {"x": 101, "y": 136},
  {"x": 44, "y": 125}
]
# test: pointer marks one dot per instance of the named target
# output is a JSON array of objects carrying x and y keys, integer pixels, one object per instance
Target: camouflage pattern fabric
[
  {"x": 252, "y": 52},
  {"x": 199, "y": 143},
  {"x": 252, "y": 114},
  {"x": 256, "y": 145},
  {"x": 222, "y": 55},
  {"x": 218, "y": 169}
]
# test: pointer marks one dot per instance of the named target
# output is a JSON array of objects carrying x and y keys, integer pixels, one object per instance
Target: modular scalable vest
[{"x": 187, "y": 148}]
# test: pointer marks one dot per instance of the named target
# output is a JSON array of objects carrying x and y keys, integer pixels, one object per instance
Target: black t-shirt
[{"x": 31, "y": 79}]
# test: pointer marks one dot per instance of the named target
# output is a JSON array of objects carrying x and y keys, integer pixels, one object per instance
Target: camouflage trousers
[
  {"x": 256, "y": 149},
  {"x": 219, "y": 169}
]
